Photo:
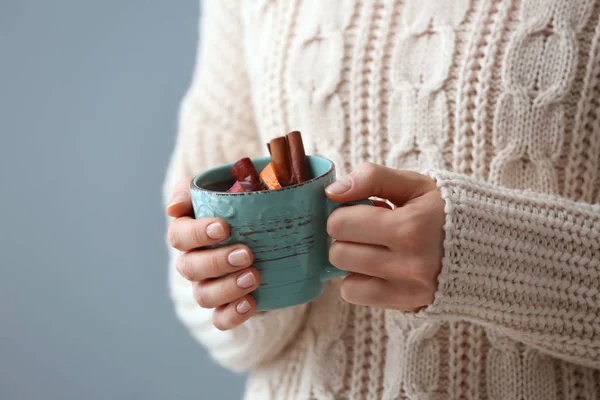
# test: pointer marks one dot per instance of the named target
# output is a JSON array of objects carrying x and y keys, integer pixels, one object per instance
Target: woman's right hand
[{"x": 221, "y": 278}]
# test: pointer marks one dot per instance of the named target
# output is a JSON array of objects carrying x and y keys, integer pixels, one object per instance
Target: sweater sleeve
[
  {"x": 216, "y": 126},
  {"x": 523, "y": 263}
]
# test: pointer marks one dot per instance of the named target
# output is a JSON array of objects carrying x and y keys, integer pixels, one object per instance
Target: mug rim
[{"x": 196, "y": 187}]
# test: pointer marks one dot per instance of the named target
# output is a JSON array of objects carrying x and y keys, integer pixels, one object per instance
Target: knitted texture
[{"x": 500, "y": 101}]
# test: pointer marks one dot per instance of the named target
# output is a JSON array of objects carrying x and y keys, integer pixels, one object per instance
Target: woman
[{"x": 483, "y": 282}]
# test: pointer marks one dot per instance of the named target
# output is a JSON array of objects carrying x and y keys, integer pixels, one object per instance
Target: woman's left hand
[{"x": 394, "y": 256}]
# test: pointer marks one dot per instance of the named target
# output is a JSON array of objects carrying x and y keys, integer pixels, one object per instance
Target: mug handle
[{"x": 329, "y": 271}]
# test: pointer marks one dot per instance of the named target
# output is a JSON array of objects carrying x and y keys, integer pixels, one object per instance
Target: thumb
[{"x": 373, "y": 180}]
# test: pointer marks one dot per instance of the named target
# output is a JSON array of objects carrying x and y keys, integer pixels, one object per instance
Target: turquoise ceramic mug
[{"x": 286, "y": 229}]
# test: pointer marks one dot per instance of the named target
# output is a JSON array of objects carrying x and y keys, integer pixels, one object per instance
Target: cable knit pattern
[
  {"x": 539, "y": 67},
  {"x": 418, "y": 116},
  {"x": 474, "y": 98},
  {"x": 500, "y": 101},
  {"x": 320, "y": 44}
]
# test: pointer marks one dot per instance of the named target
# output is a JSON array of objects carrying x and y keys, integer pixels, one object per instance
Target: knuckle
[
  {"x": 415, "y": 268},
  {"x": 334, "y": 226},
  {"x": 183, "y": 266},
  {"x": 390, "y": 266},
  {"x": 335, "y": 254},
  {"x": 367, "y": 169},
  {"x": 227, "y": 291},
  {"x": 173, "y": 236},
  {"x": 197, "y": 234},
  {"x": 412, "y": 228},
  {"x": 408, "y": 234},
  {"x": 213, "y": 263},
  {"x": 347, "y": 293},
  {"x": 368, "y": 172},
  {"x": 416, "y": 294},
  {"x": 201, "y": 296}
]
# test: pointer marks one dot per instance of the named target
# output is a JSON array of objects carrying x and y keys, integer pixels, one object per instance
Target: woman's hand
[
  {"x": 221, "y": 278},
  {"x": 394, "y": 256}
]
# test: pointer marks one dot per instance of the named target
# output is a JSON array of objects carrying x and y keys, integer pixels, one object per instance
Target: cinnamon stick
[
  {"x": 298, "y": 157},
  {"x": 280, "y": 156}
]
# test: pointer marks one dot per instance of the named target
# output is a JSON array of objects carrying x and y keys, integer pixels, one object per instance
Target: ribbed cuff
[{"x": 518, "y": 260}]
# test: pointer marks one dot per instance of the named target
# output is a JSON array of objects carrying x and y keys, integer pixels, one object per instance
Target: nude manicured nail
[
  {"x": 339, "y": 187},
  {"x": 215, "y": 231},
  {"x": 239, "y": 258},
  {"x": 246, "y": 280},
  {"x": 243, "y": 307}
]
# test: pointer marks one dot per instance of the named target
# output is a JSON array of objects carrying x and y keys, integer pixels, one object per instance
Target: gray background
[{"x": 89, "y": 92}]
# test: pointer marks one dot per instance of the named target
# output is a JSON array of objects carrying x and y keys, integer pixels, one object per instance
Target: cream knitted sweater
[{"x": 501, "y": 100}]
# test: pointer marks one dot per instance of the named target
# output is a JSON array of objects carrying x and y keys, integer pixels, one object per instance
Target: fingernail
[
  {"x": 179, "y": 198},
  {"x": 239, "y": 258},
  {"x": 339, "y": 187},
  {"x": 215, "y": 231},
  {"x": 246, "y": 280},
  {"x": 243, "y": 307}
]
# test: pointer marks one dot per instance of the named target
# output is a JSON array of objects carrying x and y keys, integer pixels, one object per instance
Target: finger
[
  {"x": 361, "y": 224},
  {"x": 186, "y": 233},
  {"x": 212, "y": 293},
  {"x": 234, "y": 314},
  {"x": 370, "y": 179},
  {"x": 181, "y": 202},
  {"x": 366, "y": 290},
  {"x": 362, "y": 258},
  {"x": 199, "y": 265}
]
